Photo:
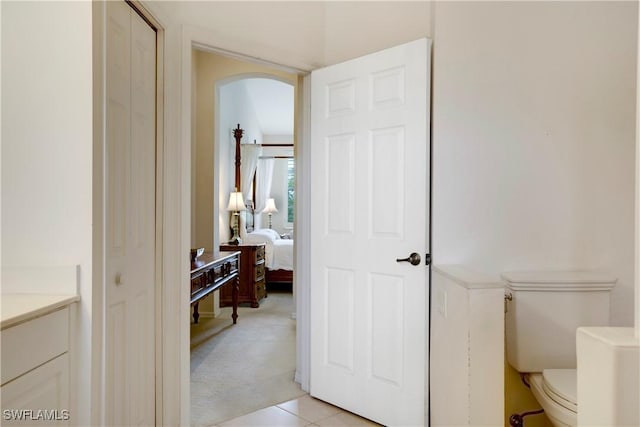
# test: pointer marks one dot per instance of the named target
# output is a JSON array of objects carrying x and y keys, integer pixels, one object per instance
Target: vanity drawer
[
  {"x": 34, "y": 343},
  {"x": 46, "y": 387}
]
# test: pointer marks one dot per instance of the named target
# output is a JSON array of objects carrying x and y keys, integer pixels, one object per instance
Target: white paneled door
[
  {"x": 130, "y": 218},
  {"x": 369, "y": 208}
]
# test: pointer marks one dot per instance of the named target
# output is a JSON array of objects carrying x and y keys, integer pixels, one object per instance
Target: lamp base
[{"x": 235, "y": 241}]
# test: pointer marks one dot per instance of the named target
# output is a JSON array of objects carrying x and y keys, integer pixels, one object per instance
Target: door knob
[{"x": 414, "y": 259}]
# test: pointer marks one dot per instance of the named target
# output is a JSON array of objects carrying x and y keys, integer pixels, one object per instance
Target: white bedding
[
  {"x": 278, "y": 252},
  {"x": 282, "y": 255}
]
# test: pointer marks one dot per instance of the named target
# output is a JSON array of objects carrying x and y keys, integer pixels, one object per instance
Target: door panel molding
[{"x": 370, "y": 206}]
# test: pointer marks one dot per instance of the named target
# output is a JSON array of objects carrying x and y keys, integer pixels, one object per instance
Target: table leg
[
  {"x": 196, "y": 314},
  {"x": 236, "y": 291}
]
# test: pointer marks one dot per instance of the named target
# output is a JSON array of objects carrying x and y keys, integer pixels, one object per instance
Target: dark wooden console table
[{"x": 209, "y": 273}]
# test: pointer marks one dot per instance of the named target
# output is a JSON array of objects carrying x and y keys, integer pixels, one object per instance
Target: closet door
[{"x": 130, "y": 212}]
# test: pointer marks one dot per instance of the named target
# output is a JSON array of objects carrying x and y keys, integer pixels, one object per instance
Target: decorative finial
[{"x": 237, "y": 132}]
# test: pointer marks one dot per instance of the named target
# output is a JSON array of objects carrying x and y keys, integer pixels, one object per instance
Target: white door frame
[
  {"x": 303, "y": 238},
  {"x": 97, "y": 300}
]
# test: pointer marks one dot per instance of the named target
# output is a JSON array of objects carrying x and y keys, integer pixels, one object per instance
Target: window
[{"x": 291, "y": 190}]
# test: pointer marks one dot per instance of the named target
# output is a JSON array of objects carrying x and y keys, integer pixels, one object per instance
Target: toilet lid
[{"x": 561, "y": 386}]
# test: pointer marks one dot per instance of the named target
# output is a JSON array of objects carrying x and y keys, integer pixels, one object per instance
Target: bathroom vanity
[{"x": 36, "y": 358}]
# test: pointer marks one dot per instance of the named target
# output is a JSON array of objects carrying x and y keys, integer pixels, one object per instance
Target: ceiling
[{"x": 273, "y": 104}]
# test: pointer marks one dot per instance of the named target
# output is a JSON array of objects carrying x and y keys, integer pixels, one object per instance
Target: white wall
[
  {"x": 534, "y": 138},
  {"x": 356, "y": 28},
  {"x": 47, "y": 149},
  {"x": 303, "y": 34},
  {"x": 289, "y": 33}
]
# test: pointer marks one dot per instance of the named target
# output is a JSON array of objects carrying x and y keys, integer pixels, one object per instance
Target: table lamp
[
  {"x": 270, "y": 209},
  {"x": 236, "y": 204}
]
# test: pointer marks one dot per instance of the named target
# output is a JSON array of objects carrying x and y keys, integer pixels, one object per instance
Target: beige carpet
[{"x": 238, "y": 369}]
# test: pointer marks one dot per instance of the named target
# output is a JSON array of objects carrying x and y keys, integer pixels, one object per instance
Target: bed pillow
[
  {"x": 263, "y": 235},
  {"x": 269, "y": 232}
]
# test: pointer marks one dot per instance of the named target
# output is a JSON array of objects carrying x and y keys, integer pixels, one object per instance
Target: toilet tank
[{"x": 543, "y": 311}]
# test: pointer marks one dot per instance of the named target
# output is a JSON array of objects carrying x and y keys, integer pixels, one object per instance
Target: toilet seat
[
  {"x": 558, "y": 414},
  {"x": 561, "y": 386}
]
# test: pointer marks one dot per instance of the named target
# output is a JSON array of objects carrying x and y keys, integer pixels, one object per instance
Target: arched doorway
[{"x": 250, "y": 374}]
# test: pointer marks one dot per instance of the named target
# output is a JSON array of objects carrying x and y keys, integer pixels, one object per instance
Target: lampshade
[
  {"x": 236, "y": 202},
  {"x": 271, "y": 207}
]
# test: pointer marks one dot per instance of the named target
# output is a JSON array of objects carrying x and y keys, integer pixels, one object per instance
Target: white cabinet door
[
  {"x": 39, "y": 397},
  {"x": 130, "y": 218},
  {"x": 369, "y": 207}
]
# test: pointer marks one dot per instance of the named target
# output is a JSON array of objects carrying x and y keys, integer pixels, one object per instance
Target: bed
[{"x": 278, "y": 254}]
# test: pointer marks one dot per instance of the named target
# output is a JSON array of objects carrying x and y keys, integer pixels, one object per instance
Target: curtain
[
  {"x": 249, "y": 161},
  {"x": 263, "y": 185},
  {"x": 250, "y": 153}
]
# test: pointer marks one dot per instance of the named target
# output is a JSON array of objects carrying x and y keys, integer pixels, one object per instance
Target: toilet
[{"x": 543, "y": 311}]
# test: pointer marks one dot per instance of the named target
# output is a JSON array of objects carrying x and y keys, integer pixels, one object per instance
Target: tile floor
[{"x": 301, "y": 412}]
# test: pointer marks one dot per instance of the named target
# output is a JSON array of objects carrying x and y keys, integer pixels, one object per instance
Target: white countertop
[
  {"x": 614, "y": 336},
  {"x": 17, "y": 308}
]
